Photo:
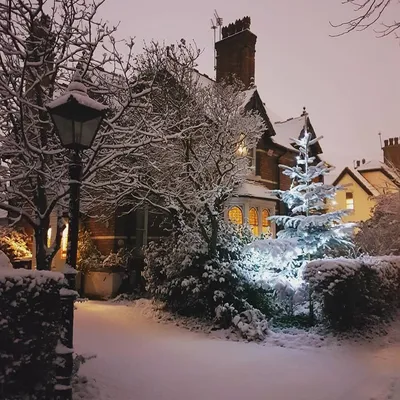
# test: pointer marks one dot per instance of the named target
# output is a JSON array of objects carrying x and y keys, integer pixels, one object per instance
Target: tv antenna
[{"x": 216, "y": 24}]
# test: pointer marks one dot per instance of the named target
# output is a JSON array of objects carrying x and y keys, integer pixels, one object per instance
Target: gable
[
  {"x": 253, "y": 102},
  {"x": 293, "y": 128},
  {"x": 358, "y": 179},
  {"x": 282, "y": 132}
]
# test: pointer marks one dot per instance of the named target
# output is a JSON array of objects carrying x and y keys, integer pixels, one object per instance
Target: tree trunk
[
  {"x": 43, "y": 262},
  {"x": 214, "y": 235}
]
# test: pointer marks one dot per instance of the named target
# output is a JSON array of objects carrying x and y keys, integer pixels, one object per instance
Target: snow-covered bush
[
  {"x": 251, "y": 324},
  {"x": 29, "y": 332},
  {"x": 353, "y": 293},
  {"x": 180, "y": 272}
]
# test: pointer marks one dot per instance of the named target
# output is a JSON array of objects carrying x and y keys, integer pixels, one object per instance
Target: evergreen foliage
[{"x": 318, "y": 232}]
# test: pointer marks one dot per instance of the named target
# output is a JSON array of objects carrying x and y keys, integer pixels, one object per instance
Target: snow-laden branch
[
  {"x": 193, "y": 168},
  {"x": 42, "y": 43}
]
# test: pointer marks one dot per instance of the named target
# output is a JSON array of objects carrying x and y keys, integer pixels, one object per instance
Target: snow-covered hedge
[
  {"x": 353, "y": 293},
  {"x": 29, "y": 331}
]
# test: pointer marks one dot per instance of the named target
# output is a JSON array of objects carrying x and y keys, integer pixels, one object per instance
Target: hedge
[
  {"x": 354, "y": 293},
  {"x": 29, "y": 331}
]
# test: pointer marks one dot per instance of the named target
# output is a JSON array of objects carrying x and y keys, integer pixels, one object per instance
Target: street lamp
[{"x": 77, "y": 119}]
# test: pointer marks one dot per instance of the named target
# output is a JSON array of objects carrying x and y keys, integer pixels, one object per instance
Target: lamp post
[{"x": 77, "y": 119}]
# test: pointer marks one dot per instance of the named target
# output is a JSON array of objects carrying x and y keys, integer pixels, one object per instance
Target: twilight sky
[{"x": 350, "y": 85}]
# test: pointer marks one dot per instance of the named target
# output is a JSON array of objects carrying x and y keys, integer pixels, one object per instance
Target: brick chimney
[
  {"x": 391, "y": 152},
  {"x": 236, "y": 52}
]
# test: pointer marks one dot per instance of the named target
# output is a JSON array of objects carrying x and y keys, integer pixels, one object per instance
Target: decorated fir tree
[{"x": 318, "y": 232}]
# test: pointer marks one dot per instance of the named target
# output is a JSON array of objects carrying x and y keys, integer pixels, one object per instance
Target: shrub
[
  {"x": 89, "y": 257},
  {"x": 380, "y": 235},
  {"x": 120, "y": 259},
  {"x": 29, "y": 332},
  {"x": 14, "y": 244},
  {"x": 180, "y": 272},
  {"x": 355, "y": 293}
]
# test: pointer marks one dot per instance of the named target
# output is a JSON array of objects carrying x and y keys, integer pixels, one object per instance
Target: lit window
[
  {"x": 49, "y": 237},
  {"x": 253, "y": 221},
  {"x": 349, "y": 201},
  {"x": 252, "y": 159},
  {"x": 266, "y": 224},
  {"x": 64, "y": 242},
  {"x": 242, "y": 149},
  {"x": 235, "y": 215}
]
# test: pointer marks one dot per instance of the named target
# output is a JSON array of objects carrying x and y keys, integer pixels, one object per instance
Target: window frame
[
  {"x": 267, "y": 225},
  {"x": 349, "y": 201},
  {"x": 254, "y": 226},
  {"x": 241, "y": 215}
]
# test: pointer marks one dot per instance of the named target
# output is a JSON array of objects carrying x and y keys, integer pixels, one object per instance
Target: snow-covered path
[{"x": 139, "y": 359}]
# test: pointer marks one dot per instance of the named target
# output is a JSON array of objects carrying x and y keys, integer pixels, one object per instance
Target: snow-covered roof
[
  {"x": 203, "y": 80},
  {"x": 287, "y": 130},
  {"x": 364, "y": 181},
  {"x": 248, "y": 94},
  {"x": 373, "y": 164},
  {"x": 358, "y": 177},
  {"x": 273, "y": 117},
  {"x": 378, "y": 165},
  {"x": 252, "y": 189}
]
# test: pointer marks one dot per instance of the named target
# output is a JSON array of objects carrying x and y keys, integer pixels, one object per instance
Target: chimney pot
[
  {"x": 386, "y": 142},
  {"x": 391, "y": 152},
  {"x": 363, "y": 161},
  {"x": 357, "y": 163}
]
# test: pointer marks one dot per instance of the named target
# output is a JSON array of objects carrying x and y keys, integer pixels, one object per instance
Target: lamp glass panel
[{"x": 65, "y": 129}]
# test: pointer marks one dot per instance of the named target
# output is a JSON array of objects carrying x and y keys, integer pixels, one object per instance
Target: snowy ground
[{"x": 140, "y": 359}]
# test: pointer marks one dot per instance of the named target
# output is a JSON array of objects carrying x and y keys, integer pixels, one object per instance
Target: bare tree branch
[{"x": 369, "y": 13}]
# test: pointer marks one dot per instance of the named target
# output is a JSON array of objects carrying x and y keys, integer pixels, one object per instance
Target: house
[
  {"x": 254, "y": 202},
  {"x": 364, "y": 182}
]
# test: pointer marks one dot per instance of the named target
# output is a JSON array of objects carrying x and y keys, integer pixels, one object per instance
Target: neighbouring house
[
  {"x": 254, "y": 202},
  {"x": 367, "y": 180}
]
